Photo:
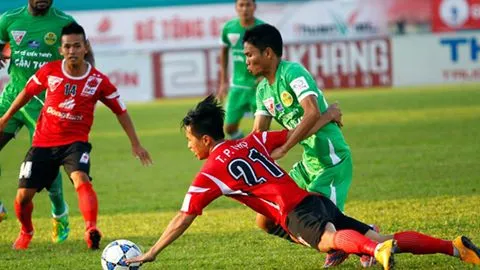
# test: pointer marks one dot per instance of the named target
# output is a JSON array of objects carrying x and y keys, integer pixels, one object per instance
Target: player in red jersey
[
  {"x": 61, "y": 135},
  {"x": 243, "y": 170}
]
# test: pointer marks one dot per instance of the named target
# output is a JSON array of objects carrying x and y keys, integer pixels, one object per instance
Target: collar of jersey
[{"x": 89, "y": 68}]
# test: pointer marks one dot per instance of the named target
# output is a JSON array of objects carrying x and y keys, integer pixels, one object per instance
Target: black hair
[
  {"x": 206, "y": 119},
  {"x": 265, "y": 36},
  {"x": 74, "y": 28},
  {"x": 237, "y": 1}
]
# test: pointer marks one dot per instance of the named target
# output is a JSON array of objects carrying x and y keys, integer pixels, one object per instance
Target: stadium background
[{"x": 411, "y": 118}]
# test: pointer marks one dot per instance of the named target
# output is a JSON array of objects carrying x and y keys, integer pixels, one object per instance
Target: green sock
[{"x": 56, "y": 197}]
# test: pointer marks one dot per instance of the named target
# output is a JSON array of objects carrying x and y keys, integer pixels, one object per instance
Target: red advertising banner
[{"x": 453, "y": 15}]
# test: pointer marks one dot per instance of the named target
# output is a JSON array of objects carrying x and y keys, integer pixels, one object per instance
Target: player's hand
[
  {"x": 335, "y": 114},
  {"x": 142, "y": 154},
  {"x": 147, "y": 257},
  {"x": 222, "y": 92},
  {"x": 278, "y": 153}
]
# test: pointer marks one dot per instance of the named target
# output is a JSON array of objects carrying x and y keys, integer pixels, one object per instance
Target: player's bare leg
[
  {"x": 24, "y": 209},
  {"x": 270, "y": 227},
  {"x": 88, "y": 204}
]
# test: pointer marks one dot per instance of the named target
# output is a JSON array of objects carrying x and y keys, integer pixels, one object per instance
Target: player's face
[
  {"x": 74, "y": 48},
  {"x": 199, "y": 146},
  {"x": 40, "y": 5},
  {"x": 255, "y": 59},
  {"x": 245, "y": 9}
]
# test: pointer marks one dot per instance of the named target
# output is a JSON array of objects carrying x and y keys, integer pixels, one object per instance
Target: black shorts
[
  {"x": 42, "y": 164},
  {"x": 307, "y": 221}
]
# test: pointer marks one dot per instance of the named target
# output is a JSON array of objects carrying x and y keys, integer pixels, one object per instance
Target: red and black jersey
[
  {"x": 243, "y": 170},
  {"x": 67, "y": 114}
]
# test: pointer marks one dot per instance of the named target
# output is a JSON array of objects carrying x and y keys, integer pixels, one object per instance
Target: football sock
[
  {"x": 24, "y": 215},
  {"x": 353, "y": 242},
  {"x": 56, "y": 197},
  {"x": 417, "y": 243},
  {"x": 236, "y": 135},
  {"x": 280, "y": 232},
  {"x": 88, "y": 204}
]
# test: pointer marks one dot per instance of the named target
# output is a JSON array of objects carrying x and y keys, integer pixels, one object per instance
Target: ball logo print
[
  {"x": 454, "y": 13},
  {"x": 115, "y": 254},
  {"x": 50, "y": 38}
]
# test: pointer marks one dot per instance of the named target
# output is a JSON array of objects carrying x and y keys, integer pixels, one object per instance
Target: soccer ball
[{"x": 115, "y": 254}]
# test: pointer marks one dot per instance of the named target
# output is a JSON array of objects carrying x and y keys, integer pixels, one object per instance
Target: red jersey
[
  {"x": 67, "y": 114},
  {"x": 243, "y": 170}
]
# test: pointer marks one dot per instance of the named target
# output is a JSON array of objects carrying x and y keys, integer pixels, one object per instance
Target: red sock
[
  {"x": 417, "y": 243},
  {"x": 88, "y": 204},
  {"x": 354, "y": 242},
  {"x": 24, "y": 215}
]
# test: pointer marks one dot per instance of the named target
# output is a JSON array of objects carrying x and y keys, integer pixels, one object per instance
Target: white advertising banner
[
  {"x": 130, "y": 72},
  {"x": 436, "y": 58},
  {"x": 190, "y": 27}
]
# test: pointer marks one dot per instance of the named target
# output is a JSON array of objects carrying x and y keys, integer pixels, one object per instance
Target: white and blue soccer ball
[{"x": 115, "y": 254}]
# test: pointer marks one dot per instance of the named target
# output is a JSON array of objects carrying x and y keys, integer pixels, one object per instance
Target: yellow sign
[
  {"x": 50, "y": 38},
  {"x": 287, "y": 99}
]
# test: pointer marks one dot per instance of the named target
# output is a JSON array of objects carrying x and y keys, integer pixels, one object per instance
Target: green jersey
[
  {"x": 232, "y": 37},
  {"x": 34, "y": 41},
  {"x": 281, "y": 100}
]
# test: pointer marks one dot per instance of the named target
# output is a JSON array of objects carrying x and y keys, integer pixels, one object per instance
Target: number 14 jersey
[{"x": 243, "y": 170}]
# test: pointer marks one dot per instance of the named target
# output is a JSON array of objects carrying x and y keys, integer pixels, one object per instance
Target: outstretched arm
[
  {"x": 177, "y": 226},
  {"x": 22, "y": 99},
  {"x": 137, "y": 149}
]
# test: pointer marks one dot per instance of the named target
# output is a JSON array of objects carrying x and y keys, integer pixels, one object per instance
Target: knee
[
  {"x": 79, "y": 178},
  {"x": 265, "y": 223},
  {"x": 326, "y": 240},
  {"x": 23, "y": 197}
]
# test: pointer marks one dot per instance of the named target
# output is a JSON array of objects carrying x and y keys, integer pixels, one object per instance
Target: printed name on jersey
[
  {"x": 18, "y": 36},
  {"x": 286, "y": 98},
  {"x": 299, "y": 84},
  {"x": 233, "y": 38},
  {"x": 67, "y": 104},
  {"x": 85, "y": 158},
  {"x": 270, "y": 105},
  {"x": 91, "y": 86},
  {"x": 54, "y": 82}
]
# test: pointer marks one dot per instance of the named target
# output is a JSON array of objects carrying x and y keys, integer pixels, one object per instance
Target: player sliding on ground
[
  {"x": 61, "y": 136},
  {"x": 243, "y": 170}
]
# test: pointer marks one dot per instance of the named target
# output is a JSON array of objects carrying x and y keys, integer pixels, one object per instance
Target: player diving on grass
[
  {"x": 32, "y": 32},
  {"x": 73, "y": 88},
  {"x": 244, "y": 171}
]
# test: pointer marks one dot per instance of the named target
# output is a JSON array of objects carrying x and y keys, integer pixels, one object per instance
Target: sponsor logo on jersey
[
  {"x": 279, "y": 107},
  {"x": 50, "y": 38},
  {"x": 33, "y": 44},
  {"x": 233, "y": 38},
  {"x": 85, "y": 158},
  {"x": 54, "y": 82},
  {"x": 299, "y": 84},
  {"x": 269, "y": 104},
  {"x": 91, "y": 86},
  {"x": 18, "y": 36},
  {"x": 67, "y": 104},
  {"x": 286, "y": 98}
]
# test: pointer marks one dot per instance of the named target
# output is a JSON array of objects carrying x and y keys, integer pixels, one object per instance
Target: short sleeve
[
  {"x": 261, "y": 108},
  {"x": 272, "y": 139},
  {"x": 301, "y": 82},
  {"x": 3, "y": 29},
  {"x": 110, "y": 97},
  {"x": 199, "y": 195},
  {"x": 38, "y": 82},
  {"x": 224, "y": 38}
]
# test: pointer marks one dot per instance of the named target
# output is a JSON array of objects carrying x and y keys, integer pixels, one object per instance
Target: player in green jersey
[
  {"x": 241, "y": 91},
  {"x": 33, "y": 33},
  {"x": 289, "y": 94}
]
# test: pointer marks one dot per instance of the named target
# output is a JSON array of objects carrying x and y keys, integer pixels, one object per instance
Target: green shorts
[
  {"x": 24, "y": 117},
  {"x": 333, "y": 182},
  {"x": 239, "y": 102}
]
